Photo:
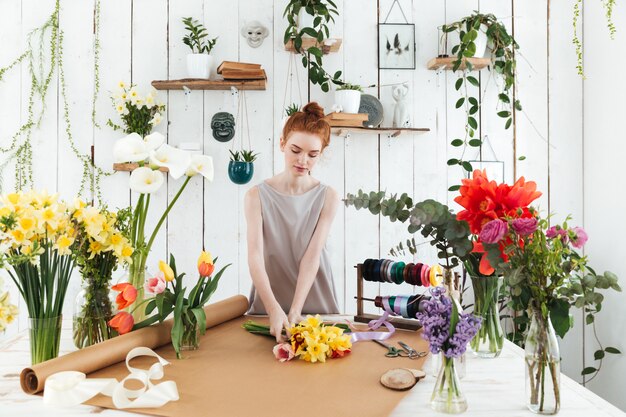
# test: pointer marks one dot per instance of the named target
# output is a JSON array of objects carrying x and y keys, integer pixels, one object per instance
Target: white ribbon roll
[{"x": 71, "y": 388}]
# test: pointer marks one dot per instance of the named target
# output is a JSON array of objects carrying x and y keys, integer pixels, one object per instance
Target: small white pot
[
  {"x": 199, "y": 66},
  {"x": 481, "y": 42},
  {"x": 348, "y": 100}
]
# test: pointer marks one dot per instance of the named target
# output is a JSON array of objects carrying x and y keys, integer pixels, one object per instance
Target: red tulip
[
  {"x": 127, "y": 295},
  {"x": 123, "y": 322}
]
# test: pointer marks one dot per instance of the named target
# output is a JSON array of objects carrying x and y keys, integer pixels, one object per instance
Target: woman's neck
[{"x": 290, "y": 184}]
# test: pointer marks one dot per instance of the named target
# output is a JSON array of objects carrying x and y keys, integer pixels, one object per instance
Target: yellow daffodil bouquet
[
  {"x": 139, "y": 113},
  {"x": 310, "y": 340},
  {"x": 101, "y": 244},
  {"x": 153, "y": 155},
  {"x": 36, "y": 234}
]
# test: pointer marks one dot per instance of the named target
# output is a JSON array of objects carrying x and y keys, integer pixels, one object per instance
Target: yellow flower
[
  {"x": 116, "y": 239},
  {"x": 95, "y": 248},
  {"x": 316, "y": 350},
  {"x": 122, "y": 85},
  {"x": 4, "y": 211},
  {"x": 8, "y": 311},
  {"x": 63, "y": 244},
  {"x": 313, "y": 321},
  {"x": 27, "y": 223},
  {"x": 168, "y": 273},
  {"x": 18, "y": 236},
  {"x": 13, "y": 198}
]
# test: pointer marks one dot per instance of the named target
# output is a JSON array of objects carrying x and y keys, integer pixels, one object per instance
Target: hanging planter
[{"x": 241, "y": 166}]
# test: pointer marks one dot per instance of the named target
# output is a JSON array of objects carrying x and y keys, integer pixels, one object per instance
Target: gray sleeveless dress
[{"x": 288, "y": 225}]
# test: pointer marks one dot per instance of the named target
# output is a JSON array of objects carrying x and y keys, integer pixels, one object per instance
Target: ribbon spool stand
[{"x": 361, "y": 317}]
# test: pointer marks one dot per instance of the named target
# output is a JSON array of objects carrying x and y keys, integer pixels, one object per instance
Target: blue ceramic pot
[{"x": 240, "y": 172}]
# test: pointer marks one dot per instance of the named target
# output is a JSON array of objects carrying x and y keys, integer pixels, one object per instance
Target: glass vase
[
  {"x": 447, "y": 396},
  {"x": 45, "y": 337},
  {"x": 489, "y": 340},
  {"x": 436, "y": 361},
  {"x": 543, "y": 370},
  {"x": 93, "y": 308},
  {"x": 190, "y": 339},
  {"x": 137, "y": 277}
]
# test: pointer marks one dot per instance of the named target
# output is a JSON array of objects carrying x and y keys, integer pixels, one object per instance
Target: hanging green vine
[
  {"x": 96, "y": 63},
  {"x": 608, "y": 13},
  {"x": 20, "y": 146}
]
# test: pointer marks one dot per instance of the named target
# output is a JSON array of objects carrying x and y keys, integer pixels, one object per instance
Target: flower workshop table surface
[{"x": 493, "y": 387}]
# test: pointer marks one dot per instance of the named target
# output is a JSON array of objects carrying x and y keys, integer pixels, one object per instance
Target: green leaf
[
  {"x": 475, "y": 142},
  {"x": 504, "y": 98},
  {"x": 559, "y": 314},
  {"x": 177, "y": 329},
  {"x": 504, "y": 113},
  {"x": 612, "y": 350},
  {"x": 460, "y": 102},
  {"x": 458, "y": 84},
  {"x": 521, "y": 158},
  {"x": 315, "y": 51},
  {"x": 200, "y": 315},
  {"x": 467, "y": 166},
  {"x": 588, "y": 370},
  {"x": 473, "y": 101},
  {"x": 598, "y": 354},
  {"x": 472, "y": 80},
  {"x": 457, "y": 142},
  {"x": 589, "y": 318},
  {"x": 472, "y": 122},
  {"x": 508, "y": 123},
  {"x": 453, "y": 161},
  {"x": 452, "y": 188}
]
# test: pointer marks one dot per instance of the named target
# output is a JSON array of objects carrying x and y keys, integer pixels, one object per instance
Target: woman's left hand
[{"x": 294, "y": 317}]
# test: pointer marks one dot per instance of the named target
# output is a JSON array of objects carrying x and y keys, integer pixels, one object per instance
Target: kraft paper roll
[{"x": 114, "y": 350}]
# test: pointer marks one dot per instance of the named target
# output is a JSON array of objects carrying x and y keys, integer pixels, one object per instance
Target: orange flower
[
  {"x": 122, "y": 322},
  {"x": 205, "y": 264},
  {"x": 127, "y": 295}
]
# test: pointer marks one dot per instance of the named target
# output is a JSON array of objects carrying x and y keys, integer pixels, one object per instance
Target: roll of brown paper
[{"x": 115, "y": 350}]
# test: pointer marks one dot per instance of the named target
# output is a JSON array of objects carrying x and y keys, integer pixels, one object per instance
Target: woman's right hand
[{"x": 278, "y": 322}]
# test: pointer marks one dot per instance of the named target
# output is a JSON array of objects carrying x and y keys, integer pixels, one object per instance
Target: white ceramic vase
[
  {"x": 348, "y": 100},
  {"x": 305, "y": 20},
  {"x": 481, "y": 42},
  {"x": 199, "y": 66}
]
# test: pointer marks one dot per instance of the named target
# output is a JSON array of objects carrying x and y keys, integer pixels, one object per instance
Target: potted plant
[
  {"x": 310, "y": 18},
  {"x": 241, "y": 167},
  {"x": 199, "y": 61},
  {"x": 348, "y": 97},
  {"x": 290, "y": 110},
  {"x": 502, "y": 48}
]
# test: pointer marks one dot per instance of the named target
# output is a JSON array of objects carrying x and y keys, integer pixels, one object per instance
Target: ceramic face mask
[
  {"x": 255, "y": 33},
  {"x": 223, "y": 125}
]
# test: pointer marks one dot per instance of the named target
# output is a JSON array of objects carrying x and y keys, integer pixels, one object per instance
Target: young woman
[{"x": 289, "y": 217}]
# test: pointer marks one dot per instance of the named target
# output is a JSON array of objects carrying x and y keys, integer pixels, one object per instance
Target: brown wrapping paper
[{"x": 115, "y": 350}]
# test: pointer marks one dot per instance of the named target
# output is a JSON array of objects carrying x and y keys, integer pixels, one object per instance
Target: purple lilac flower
[
  {"x": 493, "y": 231},
  {"x": 525, "y": 227},
  {"x": 556, "y": 231},
  {"x": 435, "y": 320},
  {"x": 581, "y": 237}
]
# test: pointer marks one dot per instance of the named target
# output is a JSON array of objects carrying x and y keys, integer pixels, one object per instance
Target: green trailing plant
[
  {"x": 348, "y": 86},
  {"x": 292, "y": 109},
  {"x": 608, "y": 13},
  {"x": 435, "y": 221},
  {"x": 195, "y": 39},
  {"x": 44, "y": 55},
  {"x": 502, "y": 55},
  {"x": 312, "y": 57},
  {"x": 243, "y": 156}
]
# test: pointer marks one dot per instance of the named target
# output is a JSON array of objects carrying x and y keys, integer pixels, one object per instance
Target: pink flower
[
  {"x": 493, "y": 231},
  {"x": 556, "y": 231},
  {"x": 283, "y": 352},
  {"x": 581, "y": 237},
  {"x": 155, "y": 285},
  {"x": 525, "y": 226}
]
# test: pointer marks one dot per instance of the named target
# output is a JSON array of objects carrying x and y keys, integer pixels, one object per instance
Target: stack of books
[
  {"x": 346, "y": 119},
  {"x": 237, "y": 71}
]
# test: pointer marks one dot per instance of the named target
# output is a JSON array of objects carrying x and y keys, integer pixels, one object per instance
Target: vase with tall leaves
[{"x": 36, "y": 234}]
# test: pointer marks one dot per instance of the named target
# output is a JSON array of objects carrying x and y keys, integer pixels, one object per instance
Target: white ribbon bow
[{"x": 72, "y": 388}]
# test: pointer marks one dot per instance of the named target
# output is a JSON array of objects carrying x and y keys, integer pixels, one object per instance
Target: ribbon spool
[
  {"x": 406, "y": 306},
  {"x": 386, "y": 270}
]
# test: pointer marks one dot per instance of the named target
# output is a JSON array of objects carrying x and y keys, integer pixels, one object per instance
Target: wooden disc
[
  {"x": 417, "y": 373},
  {"x": 398, "y": 379}
]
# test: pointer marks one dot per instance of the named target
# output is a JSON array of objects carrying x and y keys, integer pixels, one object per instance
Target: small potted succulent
[
  {"x": 241, "y": 167},
  {"x": 199, "y": 61},
  {"x": 348, "y": 97},
  {"x": 289, "y": 111}
]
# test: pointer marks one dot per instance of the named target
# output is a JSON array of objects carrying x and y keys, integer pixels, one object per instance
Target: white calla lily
[
  {"x": 144, "y": 180},
  {"x": 154, "y": 140},
  {"x": 174, "y": 159},
  {"x": 201, "y": 164},
  {"x": 130, "y": 148}
]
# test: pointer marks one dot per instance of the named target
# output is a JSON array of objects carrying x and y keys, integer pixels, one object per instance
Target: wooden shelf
[
  {"x": 447, "y": 63},
  {"x": 309, "y": 42},
  {"x": 202, "y": 84},
  {"x": 389, "y": 131},
  {"x": 132, "y": 166}
]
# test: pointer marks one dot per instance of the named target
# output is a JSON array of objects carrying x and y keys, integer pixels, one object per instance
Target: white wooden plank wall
[{"x": 141, "y": 41}]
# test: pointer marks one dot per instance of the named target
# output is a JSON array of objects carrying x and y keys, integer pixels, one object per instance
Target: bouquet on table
[
  {"x": 448, "y": 331},
  {"x": 151, "y": 153},
  {"x": 310, "y": 340},
  {"x": 36, "y": 234},
  {"x": 168, "y": 295},
  {"x": 101, "y": 243}
]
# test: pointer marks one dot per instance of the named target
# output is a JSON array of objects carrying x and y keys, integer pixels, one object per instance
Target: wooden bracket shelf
[
  {"x": 448, "y": 63},
  {"x": 202, "y": 84},
  {"x": 132, "y": 166},
  {"x": 391, "y": 132},
  {"x": 309, "y": 42}
]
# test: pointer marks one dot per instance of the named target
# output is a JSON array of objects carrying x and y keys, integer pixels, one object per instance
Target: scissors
[
  {"x": 394, "y": 352},
  {"x": 412, "y": 353}
]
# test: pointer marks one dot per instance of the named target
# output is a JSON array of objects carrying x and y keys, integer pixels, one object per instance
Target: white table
[{"x": 493, "y": 387}]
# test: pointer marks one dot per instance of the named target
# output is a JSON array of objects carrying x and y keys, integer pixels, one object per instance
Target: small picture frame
[
  {"x": 396, "y": 46},
  {"x": 495, "y": 169}
]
